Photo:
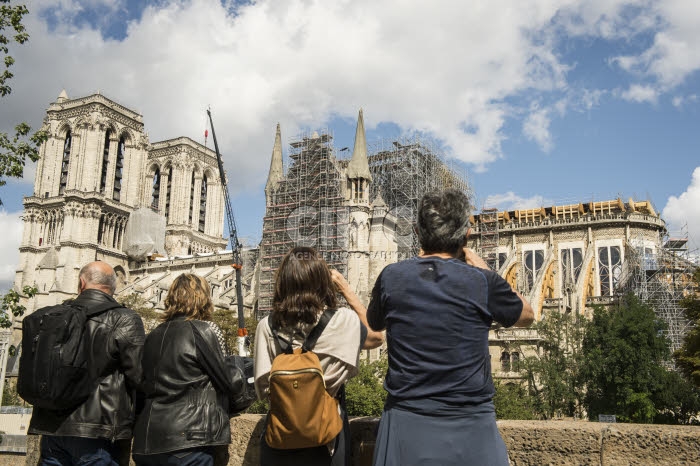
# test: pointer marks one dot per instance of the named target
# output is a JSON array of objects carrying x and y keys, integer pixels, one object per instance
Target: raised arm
[
  {"x": 527, "y": 315},
  {"x": 374, "y": 338}
]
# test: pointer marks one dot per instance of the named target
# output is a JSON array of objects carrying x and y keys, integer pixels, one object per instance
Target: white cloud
[
  {"x": 511, "y": 201},
  {"x": 684, "y": 212},
  {"x": 11, "y": 227},
  {"x": 447, "y": 69},
  {"x": 675, "y": 51},
  {"x": 301, "y": 62},
  {"x": 681, "y": 100},
  {"x": 536, "y": 128},
  {"x": 638, "y": 93}
]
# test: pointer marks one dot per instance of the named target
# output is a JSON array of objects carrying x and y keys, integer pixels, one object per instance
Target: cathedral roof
[
  {"x": 358, "y": 166},
  {"x": 49, "y": 261}
]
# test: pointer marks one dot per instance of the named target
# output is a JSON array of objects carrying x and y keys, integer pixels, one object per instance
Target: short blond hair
[{"x": 189, "y": 295}]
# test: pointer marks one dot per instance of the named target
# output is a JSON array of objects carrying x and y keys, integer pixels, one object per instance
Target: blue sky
[{"x": 540, "y": 101}]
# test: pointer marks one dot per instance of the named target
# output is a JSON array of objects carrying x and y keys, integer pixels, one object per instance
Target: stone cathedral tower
[
  {"x": 96, "y": 173},
  {"x": 357, "y": 197}
]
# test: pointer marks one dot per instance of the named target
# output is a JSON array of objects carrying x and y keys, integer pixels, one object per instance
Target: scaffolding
[
  {"x": 661, "y": 278},
  {"x": 307, "y": 208},
  {"x": 402, "y": 172},
  {"x": 489, "y": 237}
]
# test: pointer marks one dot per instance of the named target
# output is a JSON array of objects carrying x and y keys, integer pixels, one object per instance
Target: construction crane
[{"x": 242, "y": 339}]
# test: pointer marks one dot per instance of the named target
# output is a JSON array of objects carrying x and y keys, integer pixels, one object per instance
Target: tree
[
  {"x": 11, "y": 306},
  {"x": 15, "y": 150},
  {"x": 513, "y": 401},
  {"x": 624, "y": 352},
  {"x": 554, "y": 375},
  {"x": 687, "y": 357},
  {"x": 365, "y": 394}
]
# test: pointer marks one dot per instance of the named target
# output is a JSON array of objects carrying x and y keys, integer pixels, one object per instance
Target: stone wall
[{"x": 529, "y": 443}]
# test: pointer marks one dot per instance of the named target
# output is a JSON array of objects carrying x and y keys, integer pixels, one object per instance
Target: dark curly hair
[
  {"x": 443, "y": 221},
  {"x": 303, "y": 288}
]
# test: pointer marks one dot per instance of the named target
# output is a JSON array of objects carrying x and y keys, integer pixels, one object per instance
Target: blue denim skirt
[{"x": 439, "y": 436}]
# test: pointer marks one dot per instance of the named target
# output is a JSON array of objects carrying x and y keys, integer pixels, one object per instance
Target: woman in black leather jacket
[{"x": 187, "y": 384}]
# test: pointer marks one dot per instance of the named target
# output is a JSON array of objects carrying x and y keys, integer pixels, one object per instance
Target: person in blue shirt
[{"x": 437, "y": 309}]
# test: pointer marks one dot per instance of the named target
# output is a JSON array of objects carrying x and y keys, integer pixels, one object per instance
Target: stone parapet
[{"x": 530, "y": 443}]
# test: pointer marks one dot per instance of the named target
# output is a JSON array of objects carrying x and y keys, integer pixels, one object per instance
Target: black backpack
[{"x": 53, "y": 372}]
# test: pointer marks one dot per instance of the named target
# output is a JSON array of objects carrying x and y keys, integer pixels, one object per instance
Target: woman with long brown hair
[
  {"x": 305, "y": 289},
  {"x": 187, "y": 383}
]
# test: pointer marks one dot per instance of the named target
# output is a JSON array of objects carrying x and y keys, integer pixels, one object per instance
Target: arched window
[
  {"x": 167, "y": 194},
  {"x": 191, "y": 198},
  {"x": 100, "y": 229},
  {"x": 534, "y": 260},
  {"x": 121, "y": 149},
  {"x": 65, "y": 163},
  {"x": 515, "y": 361},
  {"x": 609, "y": 269},
  {"x": 105, "y": 162},
  {"x": 155, "y": 192},
  {"x": 203, "y": 204},
  {"x": 505, "y": 361}
]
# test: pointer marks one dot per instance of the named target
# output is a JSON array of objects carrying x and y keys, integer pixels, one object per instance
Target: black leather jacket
[
  {"x": 117, "y": 338},
  {"x": 187, "y": 385}
]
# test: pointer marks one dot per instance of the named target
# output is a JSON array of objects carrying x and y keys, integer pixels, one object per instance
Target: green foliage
[
  {"x": 554, "y": 375},
  {"x": 15, "y": 150},
  {"x": 227, "y": 320},
  {"x": 624, "y": 351},
  {"x": 258, "y": 407},
  {"x": 687, "y": 357},
  {"x": 677, "y": 400},
  {"x": 10, "y": 397},
  {"x": 11, "y": 307},
  {"x": 10, "y": 18},
  {"x": 365, "y": 394},
  {"x": 512, "y": 401}
]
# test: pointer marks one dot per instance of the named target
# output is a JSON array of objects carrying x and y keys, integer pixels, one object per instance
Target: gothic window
[
  {"x": 100, "y": 227},
  {"x": 649, "y": 259},
  {"x": 167, "y": 193},
  {"x": 155, "y": 192},
  {"x": 121, "y": 149},
  {"x": 65, "y": 163},
  {"x": 571, "y": 263},
  {"x": 534, "y": 260},
  {"x": 505, "y": 361},
  {"x": 191, "y": 198},
  {"x": 609, "y": 268},
  {"x": 203, "y": 204},
  {"x": 515, "y": 361},
  {"x": 502, "y": 257},
  {"x": 105, "y": 162}
]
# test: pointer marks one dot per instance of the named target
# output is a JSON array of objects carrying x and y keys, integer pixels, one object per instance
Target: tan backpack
[{"x": 302, "y": 413}]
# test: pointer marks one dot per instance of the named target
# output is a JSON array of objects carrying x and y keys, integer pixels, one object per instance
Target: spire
[
  {"x": 276, "y": 171},
  {"x": 62, "y": 97},
  {"x": 358, "y": 166}
]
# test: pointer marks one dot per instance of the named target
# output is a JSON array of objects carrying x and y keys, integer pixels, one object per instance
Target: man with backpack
[{"x": 105, "y": 341}]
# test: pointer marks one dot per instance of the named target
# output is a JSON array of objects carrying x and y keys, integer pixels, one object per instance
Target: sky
[{"x": 540, "y": 102}]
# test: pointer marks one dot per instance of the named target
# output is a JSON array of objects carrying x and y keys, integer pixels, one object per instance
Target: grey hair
[
  {"x": 443, "y": 221},
  {"x": 94, "y": 275}
]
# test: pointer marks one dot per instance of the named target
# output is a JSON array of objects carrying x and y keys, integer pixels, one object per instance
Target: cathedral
[{"x": 154, "y": 210}]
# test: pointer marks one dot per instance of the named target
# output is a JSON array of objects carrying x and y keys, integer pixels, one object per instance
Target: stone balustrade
[{"x": 529, "y": 443}]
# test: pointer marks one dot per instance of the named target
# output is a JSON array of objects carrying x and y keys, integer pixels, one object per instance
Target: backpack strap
[
  {"x": 310, "y": 341},
  {"x": 285, "y": 344},
  {"x": 92, "y": 311}
]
